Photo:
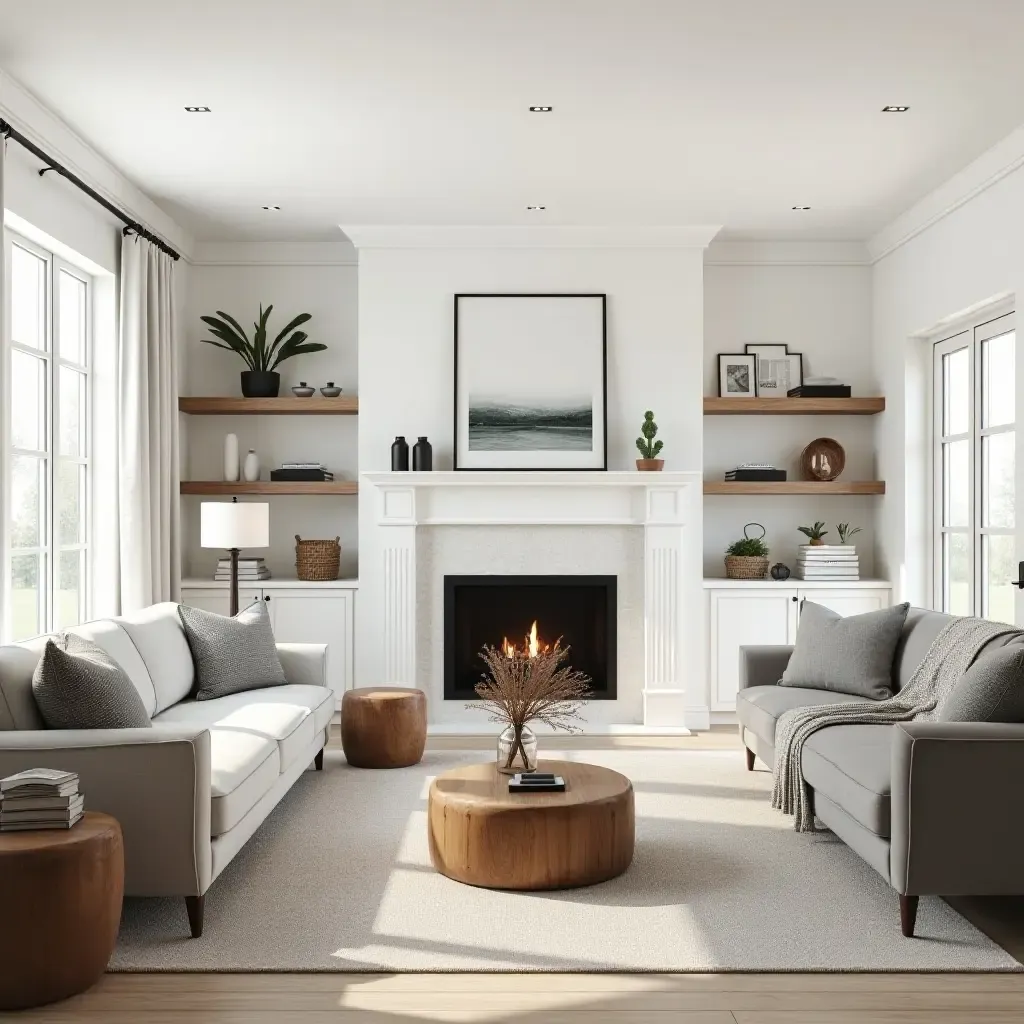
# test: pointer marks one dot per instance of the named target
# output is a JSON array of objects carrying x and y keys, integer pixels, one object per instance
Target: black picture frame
[
  {"x": 460, "y": 426},
  {"x": 738, "y": 357},
  {"x": 752, "y": 348}
]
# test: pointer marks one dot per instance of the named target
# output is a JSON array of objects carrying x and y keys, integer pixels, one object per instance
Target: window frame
[
  {"x": 53, "y": 361},
  {"x": 970, "y": 335}
]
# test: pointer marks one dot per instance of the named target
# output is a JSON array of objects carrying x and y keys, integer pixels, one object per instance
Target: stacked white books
[
  {"x": 250, "y": 570},
  {"x": 827, "y": 562},
  {"x": 40, "y": 798}
]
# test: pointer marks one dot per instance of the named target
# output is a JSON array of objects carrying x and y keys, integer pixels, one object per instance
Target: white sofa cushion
[
  {"x": 156, "y": 632},
  {"x": 106, "y": 633}
]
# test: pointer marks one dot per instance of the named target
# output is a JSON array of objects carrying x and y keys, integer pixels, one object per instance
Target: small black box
[{"x": 820, "y": 391}]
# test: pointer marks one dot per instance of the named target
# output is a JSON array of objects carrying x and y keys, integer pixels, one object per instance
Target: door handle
[{"x": 1019, "y": 581}]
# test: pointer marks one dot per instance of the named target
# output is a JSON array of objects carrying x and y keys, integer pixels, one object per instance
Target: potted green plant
[
  {"x": 747, "y": 559},
  {"x": 261, "y": 380},
  {"x": 649, "y": 448},
  {"x": 814, "y": 533},
  {"x": 846, "y": 532}
]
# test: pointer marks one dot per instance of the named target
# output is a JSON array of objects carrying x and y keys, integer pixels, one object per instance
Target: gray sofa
[
  {"x": 936, "y": 808},
  {"x": 189, "y": 792}
]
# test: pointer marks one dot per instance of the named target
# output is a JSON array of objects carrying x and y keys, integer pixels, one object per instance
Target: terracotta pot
[
  {"x": 650, "y": 465},
  {"x": 816, "y": 541}
]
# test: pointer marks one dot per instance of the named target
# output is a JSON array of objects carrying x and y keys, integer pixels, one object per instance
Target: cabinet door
[
  {"x": 743, "y": 618},
  {"x": 317, "y": 617},
  {"x": 217, "y": 600},
  {"x": 849, "y": 602}
]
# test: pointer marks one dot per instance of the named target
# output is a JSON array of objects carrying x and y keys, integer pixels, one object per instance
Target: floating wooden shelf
[
  {"x": 818, "y": 487},
  {"x": 211, "y": 487},
  {"x": 793, "y": 406},
  {"x": 343, "y": 405}
]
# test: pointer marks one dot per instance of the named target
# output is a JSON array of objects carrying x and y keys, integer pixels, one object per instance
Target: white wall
[
  {"x": 655, "y": 353},
  {"x": 316, "y": 279},
  {"x": 772, "y": 294},
  {"x": 973, "y": 255}
]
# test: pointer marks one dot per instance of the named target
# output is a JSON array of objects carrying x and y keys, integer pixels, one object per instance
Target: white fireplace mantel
[{"x": 666, "y": 506}]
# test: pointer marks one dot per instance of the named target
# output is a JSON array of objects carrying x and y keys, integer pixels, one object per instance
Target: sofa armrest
[
  {"x": 957, "y": 810},
  {"x": 155, "y": 782},
  {"x": 304, "y": 663},
  {"x": 763, "y": 665}
]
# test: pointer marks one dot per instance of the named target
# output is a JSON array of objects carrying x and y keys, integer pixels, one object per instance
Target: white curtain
[{"x": 148, "y": 521}]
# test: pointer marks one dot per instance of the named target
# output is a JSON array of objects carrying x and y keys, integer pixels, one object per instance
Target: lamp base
[{"x": 233, "y": 592}]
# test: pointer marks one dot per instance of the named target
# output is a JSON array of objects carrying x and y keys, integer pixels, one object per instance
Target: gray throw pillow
[
  {"x": 852, "y": 654},
  {"x": 231, "y": 654},
  {"x": 991, "y": 690},
  {"x": 77, "y": 685}
]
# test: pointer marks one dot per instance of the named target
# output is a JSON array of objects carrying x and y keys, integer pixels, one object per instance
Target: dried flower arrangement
[{"x": 529, "y": 684}]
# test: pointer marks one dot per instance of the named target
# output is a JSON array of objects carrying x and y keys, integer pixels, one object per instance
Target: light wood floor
[{"x": 566, "y": 998}]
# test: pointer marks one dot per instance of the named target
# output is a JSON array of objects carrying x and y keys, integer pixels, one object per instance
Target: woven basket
[
  {"x": 317, "y": 560},
  {"x": 745, "y": 567}
]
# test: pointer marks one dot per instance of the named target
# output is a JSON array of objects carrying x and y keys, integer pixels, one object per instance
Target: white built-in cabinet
[
  {"x": 301, "y": 613},
  {"x": 746, "y": 613}
]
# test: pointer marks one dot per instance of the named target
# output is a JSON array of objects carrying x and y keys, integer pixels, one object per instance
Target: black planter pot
[
  {"x": 422, "y": 456},
  {"x": 260, "y": 383}
]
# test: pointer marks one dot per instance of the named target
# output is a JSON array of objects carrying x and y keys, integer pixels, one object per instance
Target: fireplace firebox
[{"x": 496, "y": 609}]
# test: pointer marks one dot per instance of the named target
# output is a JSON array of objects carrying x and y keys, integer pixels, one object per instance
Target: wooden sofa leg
[
  {"x": 908, "y": 915},
  {"x": 195, "y": 906},
  {"x": 750, "y": 758},
  {"x": 318, "y": 761}
]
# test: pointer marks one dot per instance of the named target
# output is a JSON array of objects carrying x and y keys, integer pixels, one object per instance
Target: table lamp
[{"x": 229, "y": 525}]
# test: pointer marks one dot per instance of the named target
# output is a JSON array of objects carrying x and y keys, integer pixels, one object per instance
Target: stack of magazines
[
  {"x": 39, "y": 798},
  {"x": 250, "y": 570},
  {"x": 302, "y": 471},
  {"x": 827, "y": 562},
  {"x": 752, "y": 471}
]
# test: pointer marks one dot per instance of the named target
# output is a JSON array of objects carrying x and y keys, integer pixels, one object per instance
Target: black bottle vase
[
  {"x": 422, "y": 455},
  {"x": 399, "y": 455}
]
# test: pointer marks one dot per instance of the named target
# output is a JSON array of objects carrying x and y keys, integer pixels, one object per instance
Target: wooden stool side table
[
  {"x": 383, "y": 726},
  {"x": 60, "y": 906}
]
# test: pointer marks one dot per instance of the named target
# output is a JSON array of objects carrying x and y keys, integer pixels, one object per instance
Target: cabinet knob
[
  {"x": 793, "y": 598},
  {"x": 267, "y": 598}
]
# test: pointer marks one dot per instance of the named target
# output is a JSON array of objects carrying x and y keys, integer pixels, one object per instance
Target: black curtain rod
[{"x": 10, "y": 132}]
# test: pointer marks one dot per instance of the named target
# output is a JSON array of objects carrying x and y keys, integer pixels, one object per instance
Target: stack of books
[
  {"x": 250, "y": 570},
  {"x": 40, "y": 798},
  {"x": 755, "y": 471},
  {"x": 300, "y": 471},
  {"x": 827, "y": 562}
]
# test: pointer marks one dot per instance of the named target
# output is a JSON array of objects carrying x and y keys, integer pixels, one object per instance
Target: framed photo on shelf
[
  {"x": 778, "y": 369},
  {"x": 736, "y": 375},
  {"x": 531, "y": 388}
]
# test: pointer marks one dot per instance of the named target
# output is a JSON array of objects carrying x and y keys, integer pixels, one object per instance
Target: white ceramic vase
[
  {"x": 251, "y": 469},
  {"x": 231, "y": 458}
]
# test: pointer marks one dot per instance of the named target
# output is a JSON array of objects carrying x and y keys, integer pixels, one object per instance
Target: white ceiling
[{"x": 415, "y": 111}]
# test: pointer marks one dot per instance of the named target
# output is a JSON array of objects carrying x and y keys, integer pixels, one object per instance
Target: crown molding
[
  {"x": 1005, "y": 157},
  {"x": 56, "y": 137},
  {"x": 339, "y": 253},
  {"x": 388, "y": 236},
  {"x": 788, "y": 253}
]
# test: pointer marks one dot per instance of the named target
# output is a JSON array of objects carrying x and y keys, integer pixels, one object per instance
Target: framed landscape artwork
[
  {"x": 531, "y": 382},
  {"x": 736, "y": 375}
]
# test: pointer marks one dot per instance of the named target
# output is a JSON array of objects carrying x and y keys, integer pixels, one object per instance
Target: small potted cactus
[{"x": 649, "y": 448}]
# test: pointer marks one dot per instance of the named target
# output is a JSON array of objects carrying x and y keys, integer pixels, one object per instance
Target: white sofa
[{"x": 189, "y": 792}]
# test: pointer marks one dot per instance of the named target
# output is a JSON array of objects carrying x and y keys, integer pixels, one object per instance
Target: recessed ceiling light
[
  {"x": 271, "y": 207},
  {"x": 536, "y": 207},
  {"x": 198, "y": 110},
  {"x": 541, "y": 110},
  {"x": 895, "y": 110},
  {"x": 801, "y": 207}
]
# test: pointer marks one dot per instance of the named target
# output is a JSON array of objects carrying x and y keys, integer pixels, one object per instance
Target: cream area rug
[{"x": 339, "y": 879}]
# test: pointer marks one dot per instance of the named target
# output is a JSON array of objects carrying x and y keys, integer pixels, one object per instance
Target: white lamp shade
[{"x": 226, "y": 524}]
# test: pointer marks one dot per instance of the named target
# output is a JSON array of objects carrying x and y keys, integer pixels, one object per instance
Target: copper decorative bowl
[{"x": 823, "y": 459}]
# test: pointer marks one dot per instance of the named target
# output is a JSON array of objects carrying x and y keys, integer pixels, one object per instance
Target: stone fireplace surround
[{"x": 645, "y": 528}]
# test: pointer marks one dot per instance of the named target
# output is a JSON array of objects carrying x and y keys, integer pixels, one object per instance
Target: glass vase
[{"x": 517, "y": 750}]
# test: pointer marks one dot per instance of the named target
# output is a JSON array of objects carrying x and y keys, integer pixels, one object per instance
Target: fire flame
[{"x": 532, "y": 644}]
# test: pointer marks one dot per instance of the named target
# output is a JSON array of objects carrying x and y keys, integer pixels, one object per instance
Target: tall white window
[
  {"x": 45, "y": 372},
  {"x": 974, "y": 430}
]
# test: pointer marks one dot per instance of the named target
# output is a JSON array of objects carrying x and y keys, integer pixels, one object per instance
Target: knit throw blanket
[{"x": 949, "y": 656}]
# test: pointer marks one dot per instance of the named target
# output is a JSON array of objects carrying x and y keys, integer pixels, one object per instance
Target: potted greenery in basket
[
  {"x": 649, "y": 448},
  {"x": 261, "y": 380},
  {"x": 747, "y": 559},
  {"x": 814, "y": 533}
]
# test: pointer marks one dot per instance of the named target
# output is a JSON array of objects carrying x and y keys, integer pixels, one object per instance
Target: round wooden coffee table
[
  {"x": 383, "y": 726},
  {"x": 483, "y": 835},
  {"x": 60, "y": 908}
]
